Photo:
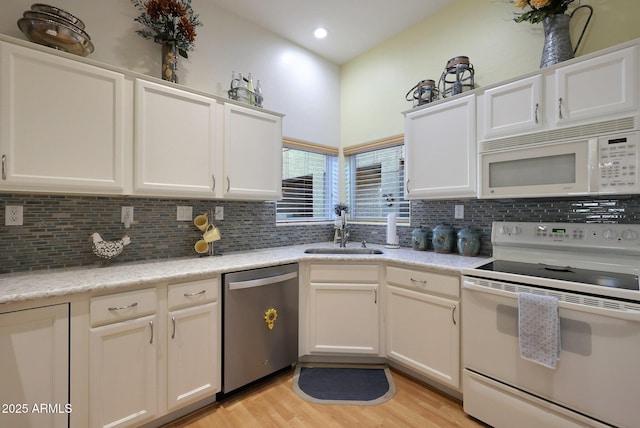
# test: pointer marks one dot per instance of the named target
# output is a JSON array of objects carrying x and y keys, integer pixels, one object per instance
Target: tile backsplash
[{"x": 57, "y": 228}]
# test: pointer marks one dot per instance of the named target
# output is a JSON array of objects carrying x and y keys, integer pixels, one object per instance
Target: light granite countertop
[{"x": 62, "y": 282}]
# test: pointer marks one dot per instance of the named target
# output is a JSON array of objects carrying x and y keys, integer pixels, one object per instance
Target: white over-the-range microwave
[{"x": 602, "y": 165}]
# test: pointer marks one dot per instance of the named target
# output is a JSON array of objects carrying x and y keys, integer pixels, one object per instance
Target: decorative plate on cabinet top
[
  {"x": 57, "y": 35},
  {"x": 31, "y": 14},
  {"x": 39, "y": 7}
]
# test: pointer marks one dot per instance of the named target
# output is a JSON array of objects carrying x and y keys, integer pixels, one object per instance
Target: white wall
[{"x": 297, "y": 83}]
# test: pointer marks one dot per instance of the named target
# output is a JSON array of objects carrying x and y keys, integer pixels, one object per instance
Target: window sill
[
  {"x": 378, "y": 223},
  {"x": 303, "y": 223}
]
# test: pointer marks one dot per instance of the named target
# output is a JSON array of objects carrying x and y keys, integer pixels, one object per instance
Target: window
[
  {"x": 375, "y": 182},
  {"x": 309, "y": 183}
]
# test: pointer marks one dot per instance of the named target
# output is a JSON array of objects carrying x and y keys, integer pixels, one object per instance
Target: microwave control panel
[{"x": 618, "y": 163}]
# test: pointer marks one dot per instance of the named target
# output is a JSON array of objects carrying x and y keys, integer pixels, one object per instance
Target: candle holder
[{"x": 457, "y": 77}]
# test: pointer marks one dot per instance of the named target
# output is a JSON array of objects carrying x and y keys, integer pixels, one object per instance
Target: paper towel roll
[{"x": 392, "y": 237}]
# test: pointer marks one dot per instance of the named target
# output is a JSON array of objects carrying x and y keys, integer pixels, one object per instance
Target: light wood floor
[{"x": 275, "y": 404}]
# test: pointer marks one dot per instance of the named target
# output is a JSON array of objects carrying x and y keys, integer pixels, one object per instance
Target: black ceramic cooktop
[{"x": 565, "y": 273}]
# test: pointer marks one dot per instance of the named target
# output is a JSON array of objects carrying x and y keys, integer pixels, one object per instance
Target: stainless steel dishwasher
[{"x": 260, "y": 323}]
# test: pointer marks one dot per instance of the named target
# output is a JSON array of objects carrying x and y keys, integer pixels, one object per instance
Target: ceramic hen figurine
[{"x": 108, "y": 249}]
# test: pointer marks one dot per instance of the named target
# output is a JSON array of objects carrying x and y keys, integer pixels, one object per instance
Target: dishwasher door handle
[{"x": 239, "y": 285}]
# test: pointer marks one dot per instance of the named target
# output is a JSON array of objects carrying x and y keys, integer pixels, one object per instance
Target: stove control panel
[{"x": 623, "y": 237}]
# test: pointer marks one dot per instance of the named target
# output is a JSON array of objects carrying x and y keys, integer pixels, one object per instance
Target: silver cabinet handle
[
  {"x": 120, "y": 308},
  {"x": 453, "y": 315},
  {"x": 151, "y": 325},
  {"x": 560, "y": 108},
  {"x": 173, "y": 322},
  {"x": 536, "y": 112},
  {"x": 195, "y": 293},
  {"x": 4, "y": 167},
  {"x": 375, "y": 296},
  {"x": 213, "y": 187},
  {"x": 421, "y": 281},
  {"x": 407, "y": 186},
  {"x": 228, "y": 184}
]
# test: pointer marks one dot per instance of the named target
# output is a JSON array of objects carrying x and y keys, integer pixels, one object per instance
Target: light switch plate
[
  {"x": 13, "y": 215},
  {"x": 127, "y": 215},
  {"x": 459, "y": 212},
  {"x": 219, "y": 213},
  {"x": 184, "y": 213}
]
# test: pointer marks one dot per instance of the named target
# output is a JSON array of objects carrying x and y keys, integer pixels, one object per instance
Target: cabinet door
[
  {"x": 61, "y": 124},
  {"x": 123, "y": 373},
  {"x": 597, "y": 87},
  {"x": 175, "y": 143},
  {"x": 512, "y": 108},
  {"x": 34, "y": 367},
  {"x": 423, "y": 333},
  {"x": 344, "y": 318},
  {"x": 440, "y": 143},
  {"x": 252, "y": 154},
  {"x": 193, "y": 354}
]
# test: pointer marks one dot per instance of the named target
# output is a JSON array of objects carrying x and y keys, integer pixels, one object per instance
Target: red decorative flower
[{"x": 168, "y": 21}]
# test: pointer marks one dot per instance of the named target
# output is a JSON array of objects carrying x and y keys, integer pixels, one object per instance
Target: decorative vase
[
  {"x": 170, "y": 62},
  {"x": 557, "y": 40},
  {"x": 443, "y": 239},
  {"x": 468, "y": 242}
]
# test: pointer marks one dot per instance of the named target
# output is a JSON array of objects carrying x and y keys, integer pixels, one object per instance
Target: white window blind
[
  {"x": 309, "y": 185},
  {"x": 375, "y": 184}
]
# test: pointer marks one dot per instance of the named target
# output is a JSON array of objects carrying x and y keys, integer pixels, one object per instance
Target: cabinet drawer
[
  {"x": 123, "y": 306},
  {"x": 193, "y": 293},
  {"x": 424, "y": 281},
  {"x": 344, "y": 273}
]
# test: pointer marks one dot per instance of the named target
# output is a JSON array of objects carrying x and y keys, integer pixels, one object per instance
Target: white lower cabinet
[
  {"x": 34, "y": 367},
  {"x": 344, "y": 309},
  {"x": 153, "y": 351},
  {"x": 193, "y": 340},
  {"x": 123, "y": 359},
  {"x": 423, "y": 328}
]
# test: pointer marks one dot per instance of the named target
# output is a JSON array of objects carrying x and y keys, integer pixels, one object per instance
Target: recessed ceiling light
[{"x": 320, "y": 33}]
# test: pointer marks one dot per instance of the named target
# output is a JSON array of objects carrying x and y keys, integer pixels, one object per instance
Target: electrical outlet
[
  {"x": 459, "y": 212},
  {"x": 13, "y": 215},
  {"x": 127, "y": 216},
  {"x": 184, "y": 213},
  {"x": 219, "y": 213}
]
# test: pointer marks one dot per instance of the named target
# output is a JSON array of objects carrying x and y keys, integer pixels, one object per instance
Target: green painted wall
[{"x": 374, "y": 84}]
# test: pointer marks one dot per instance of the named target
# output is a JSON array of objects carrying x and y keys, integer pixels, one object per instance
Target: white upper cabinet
[
  {"x": 67, "y": 126},
  {"x": 252, "y": 154},
  {"x": 511, "y": 108},
  {"x": 598, "y": 87},
  {"x": 62, "y": 124},
  {"x": 440, "y": 143},
  {"x": 585, "y": 92},
  {"x": 175, "y": 142}
]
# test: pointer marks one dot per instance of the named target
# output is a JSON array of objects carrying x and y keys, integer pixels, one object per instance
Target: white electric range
[{"x": 592, "y": 270}]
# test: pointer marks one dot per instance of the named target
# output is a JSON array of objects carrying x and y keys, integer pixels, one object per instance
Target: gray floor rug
[{"x": 344, "y": 384}]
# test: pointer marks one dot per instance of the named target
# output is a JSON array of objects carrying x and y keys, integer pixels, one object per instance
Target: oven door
[{"x": 600, "y": 352}]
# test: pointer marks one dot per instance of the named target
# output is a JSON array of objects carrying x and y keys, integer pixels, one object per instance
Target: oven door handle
[{"x": 630, "y": 315}]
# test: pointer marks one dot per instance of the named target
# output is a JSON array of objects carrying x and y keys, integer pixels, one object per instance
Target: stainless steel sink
[{"x": 342, "y": 251}]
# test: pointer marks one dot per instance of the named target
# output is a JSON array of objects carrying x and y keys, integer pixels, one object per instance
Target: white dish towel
[{"x": 539, "y": 329}]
